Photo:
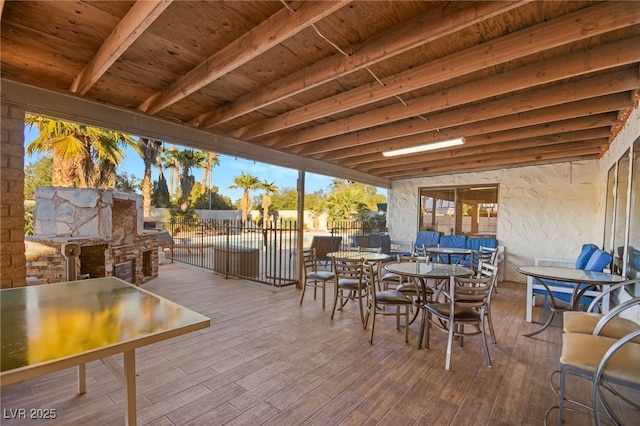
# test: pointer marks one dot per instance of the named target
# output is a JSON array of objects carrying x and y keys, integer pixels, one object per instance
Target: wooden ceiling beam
[
  {"x": 545, "y": 72},
  {"x": 561, "y": 31},
  {"x": 603, "y": 121},
  {"x": 366, "y": 142},
  {"x": 601, "y": 85},
  {"x": 581, "y": 149},
  {"x": 141, "y": 15},
  {"x": 274, "y": 30},
  {"x": 408, "y": 35},
  {"x": 542, "y": 144}
]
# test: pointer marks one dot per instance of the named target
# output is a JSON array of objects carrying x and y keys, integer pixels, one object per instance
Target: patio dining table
[
  {"x": 577, "y": 277},
  {"x": 421, "y": 272},
  {"x": 51, "y": 327},
  {"x": 447, "y": 253}
]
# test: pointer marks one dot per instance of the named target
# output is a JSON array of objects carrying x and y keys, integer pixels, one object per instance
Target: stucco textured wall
[{"x": 543, "y": 211}]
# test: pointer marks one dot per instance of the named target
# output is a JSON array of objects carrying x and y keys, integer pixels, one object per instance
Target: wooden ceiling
[{"x": 339, "y": 82}]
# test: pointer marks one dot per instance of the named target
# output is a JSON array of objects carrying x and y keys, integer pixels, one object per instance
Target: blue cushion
[
  {"x": 598, "y": 261},
  {"x": 428, "y": 238},
  {"x": 585, "y": 254},
  {"x": 477, "y": 242},
  {"x": 453, "y": 241}
]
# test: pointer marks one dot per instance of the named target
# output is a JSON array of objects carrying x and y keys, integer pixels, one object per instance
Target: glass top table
[
  {"x": 447, "y": 252},
  {"x": 577, "y": 277},
  {"x": 51, "y": 327},
  {"x": 366, "y": 255},
  {"x": 422, "y": 271}
]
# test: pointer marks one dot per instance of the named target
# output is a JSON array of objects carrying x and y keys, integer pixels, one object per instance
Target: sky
[{"x": 223, "y": 175}]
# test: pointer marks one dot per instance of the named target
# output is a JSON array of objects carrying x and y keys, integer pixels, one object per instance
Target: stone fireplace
[{"x": 108, "y": 227}]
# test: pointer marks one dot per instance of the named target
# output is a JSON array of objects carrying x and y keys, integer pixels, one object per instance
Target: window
[
  {"x": 622, "y": 221},
  {"x": 471, "y": 210},
  {"x": 633, "y": 255}
]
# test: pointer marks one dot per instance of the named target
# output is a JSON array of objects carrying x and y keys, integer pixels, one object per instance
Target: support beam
[
  {"x": 276, "y": 29},
  {"x": 576, "y": 26},
  {"x": 585, "y": 150},
  {"x": 408, "y": 35},
  {"x": 382, "y": 139},
  {"x": 459, "y": 156},
  {"x": 603, "y": 122},
  {"x": 73, "y": 108},
  {"x": 141, "y": 15}
]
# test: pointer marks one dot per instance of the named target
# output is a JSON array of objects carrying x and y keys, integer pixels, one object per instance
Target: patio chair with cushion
[
  {"x": 617, "y": 327},
  {"x": 467, "y": 304},
  {"x": 611, "y": 363},
  {"x": 379, "y": 301},
  {"x": 313, "y": 276},
  {"x": 349, "y": 284}
]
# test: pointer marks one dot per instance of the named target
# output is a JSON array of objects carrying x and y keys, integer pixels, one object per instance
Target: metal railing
[
  {"x": 233, "y": 248},
  {"x": 347, "y": 229},
  {"x": 244, "y": 250}
]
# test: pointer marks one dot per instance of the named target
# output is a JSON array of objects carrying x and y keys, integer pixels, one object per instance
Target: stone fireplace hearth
[{"x": 108, "y": 227}]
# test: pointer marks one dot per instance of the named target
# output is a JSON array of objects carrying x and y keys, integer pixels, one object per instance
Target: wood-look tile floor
[{"x": 267, "y": 360}]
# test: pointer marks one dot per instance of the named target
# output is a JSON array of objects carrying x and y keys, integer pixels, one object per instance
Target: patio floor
[{"x": 267, "y": 360}]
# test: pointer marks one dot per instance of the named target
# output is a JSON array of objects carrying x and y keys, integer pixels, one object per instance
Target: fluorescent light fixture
[{"x": 425, "y": 147}]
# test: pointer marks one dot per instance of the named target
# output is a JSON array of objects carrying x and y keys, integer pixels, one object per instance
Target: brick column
[{"x": 13, "y": 272}]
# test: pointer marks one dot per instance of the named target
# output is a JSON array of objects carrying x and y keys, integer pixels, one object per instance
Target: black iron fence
[
  {"x": 244, "y": 250},
  {"x": 346, "y": 229},
  {"x": 234, "y": 248}
]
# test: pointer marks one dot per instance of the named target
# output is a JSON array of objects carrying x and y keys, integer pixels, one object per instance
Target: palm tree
[
  {"x": 211, "y": 161},
  {"x": 188, "y": 159},
  {"x": 148, "y": 150},
  {"x": 83, "y": 156},
  {"x": 248, "y": 183},
  {"x": 344, "y": 201},
  {"x": 269, "y": 188}
]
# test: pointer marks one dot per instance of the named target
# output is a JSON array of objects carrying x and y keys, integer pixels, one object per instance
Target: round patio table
[
  {"x": 441, "y": 252},
  {"x": 577, "y": 277},
  {"x": 422, "y": 272}
]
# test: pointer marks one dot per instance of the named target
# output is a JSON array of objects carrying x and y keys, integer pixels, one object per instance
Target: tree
[
  {"x": 160, "y": 195},
  {"x": 83, "y": 156},
  {"x": 127, "y": 183},
  {"x": 268, "y": 188},
  {"x": 247, "y": 183},
  {"x": 344, "y": 200},
  {"x": 211, "y": 160},
  {"x": 315, "y": 204},
  {"x": 148, "y": 150},
  {"x": 188, "y": 159},
  {"x": 37, "y": 174},
  {"x": 286, "y": 199}
]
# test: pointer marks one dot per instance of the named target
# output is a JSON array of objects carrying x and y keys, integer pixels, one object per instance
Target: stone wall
[
  {"x": 12, "y": 258},
  {"x": 46, "y": 264}
]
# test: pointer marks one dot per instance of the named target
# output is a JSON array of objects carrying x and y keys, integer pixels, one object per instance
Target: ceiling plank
[
  {"x": 581, "y": 149},
  {"x": 604, "y": 121},
  {"x": 551, "y": 70},
  {"x": 277, "y": 28},
  {"x": 384, "y": 138},
  {"x": 566, "y": 29},
  {"x": 599, "y": 85},
  {"x": 541, "y": 143},
  {"x": 141, "y": 15},
  {"x": 406, "y": 36}
]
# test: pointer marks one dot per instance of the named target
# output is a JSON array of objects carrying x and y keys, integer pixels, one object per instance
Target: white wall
[{"x": 546, "y": 210}]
